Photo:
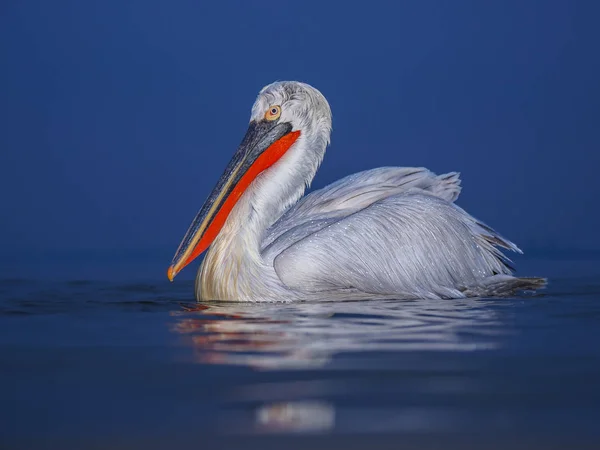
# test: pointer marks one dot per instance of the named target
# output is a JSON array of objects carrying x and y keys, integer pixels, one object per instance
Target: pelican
[{"x": 389, "y": 232}]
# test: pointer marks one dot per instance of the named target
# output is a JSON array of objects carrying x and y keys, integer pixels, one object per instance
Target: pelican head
[{"x": 290, "y": 127}]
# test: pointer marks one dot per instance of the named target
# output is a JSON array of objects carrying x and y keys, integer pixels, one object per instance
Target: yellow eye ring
[{"x": 273, "y": 113}]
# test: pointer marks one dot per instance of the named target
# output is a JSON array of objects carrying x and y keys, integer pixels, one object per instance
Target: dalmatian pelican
[{"x": 389, "y": 232}]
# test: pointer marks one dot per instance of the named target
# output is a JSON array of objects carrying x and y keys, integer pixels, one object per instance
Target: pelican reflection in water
[
  {"x": 421, "y": 347},
  {"x": 310, "y": 335},
  {"x": 389, "y": 232}
]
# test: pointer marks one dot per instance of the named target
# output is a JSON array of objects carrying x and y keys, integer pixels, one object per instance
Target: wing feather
[
  {"x": 354, "y": 193},
  {"x": 411, "y": 245}
]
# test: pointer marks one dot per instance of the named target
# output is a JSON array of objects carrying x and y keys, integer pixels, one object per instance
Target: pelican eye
[{"x": 273, "y": 113}]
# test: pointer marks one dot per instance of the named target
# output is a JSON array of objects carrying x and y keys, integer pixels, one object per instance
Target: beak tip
[{"x": 171, "y": 273}]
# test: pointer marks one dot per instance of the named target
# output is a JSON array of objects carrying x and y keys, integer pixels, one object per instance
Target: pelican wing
[
  {"x": 361, "y": 189},
  {"x": 413, "y": 245},
  {"x": 353, "y": 193}
]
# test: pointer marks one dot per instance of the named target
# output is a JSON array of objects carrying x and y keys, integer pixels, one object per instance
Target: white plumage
[{"x": 383, "y": 233}]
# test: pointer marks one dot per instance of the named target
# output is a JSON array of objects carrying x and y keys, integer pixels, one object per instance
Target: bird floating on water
[{"x": 390, "y": 232}]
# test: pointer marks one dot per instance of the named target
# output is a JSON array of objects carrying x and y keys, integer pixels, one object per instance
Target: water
[{"x": 97, "y": 364}]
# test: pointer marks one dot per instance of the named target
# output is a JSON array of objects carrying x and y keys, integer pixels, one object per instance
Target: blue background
[{"x": 118, "y": 117}]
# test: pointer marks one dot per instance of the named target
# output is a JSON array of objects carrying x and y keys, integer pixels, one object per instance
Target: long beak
[{"x": 265, "y": 142}]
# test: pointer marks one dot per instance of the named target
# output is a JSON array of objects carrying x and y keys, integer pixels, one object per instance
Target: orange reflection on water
[{"x": 223, "y": 337}]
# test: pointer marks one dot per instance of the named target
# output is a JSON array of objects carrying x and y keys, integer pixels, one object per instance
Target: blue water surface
[{"x": 115, "y": 363}]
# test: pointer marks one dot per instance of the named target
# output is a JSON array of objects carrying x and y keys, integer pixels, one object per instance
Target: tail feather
[
  {"x": 447, "y": 186},
  {"x": 504, "y": 286}
]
